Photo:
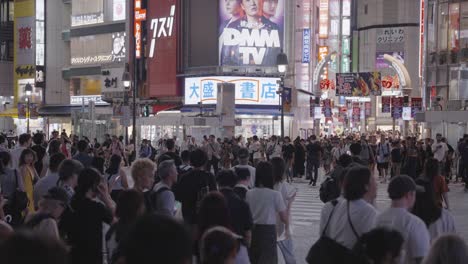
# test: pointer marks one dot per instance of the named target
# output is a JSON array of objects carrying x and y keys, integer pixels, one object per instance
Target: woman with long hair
[
  {"x": 27, "y": 175},
  {"x": 431, "y": 173},
  {"x": 116, "y": 177},
  {"x": 53, "y": 147}
]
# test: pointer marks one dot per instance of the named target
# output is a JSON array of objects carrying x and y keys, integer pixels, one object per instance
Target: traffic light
[{"x": 146, "y": 111}]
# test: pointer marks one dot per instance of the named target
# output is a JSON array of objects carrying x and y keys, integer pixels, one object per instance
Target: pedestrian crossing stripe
[{"x": 307, "y": 206}]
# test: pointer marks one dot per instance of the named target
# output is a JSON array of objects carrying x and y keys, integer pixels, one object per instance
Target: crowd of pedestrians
[{"x": 71, "y": 200}]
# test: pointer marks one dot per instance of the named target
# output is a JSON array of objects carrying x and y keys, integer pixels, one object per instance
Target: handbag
[{"x": 328, "y": 251}]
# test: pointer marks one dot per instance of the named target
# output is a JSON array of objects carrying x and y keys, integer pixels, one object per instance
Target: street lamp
[
  {"x": 127, "y": 81},
  {"x": 282, "y": 63},
  {"x": 28, "y": 89}
]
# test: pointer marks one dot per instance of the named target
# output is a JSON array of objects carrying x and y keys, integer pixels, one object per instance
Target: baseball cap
[
  {"x": 58, "y": 194},
  {"x": 401, "y": 185},
  {"x": 243, "y": 153}
]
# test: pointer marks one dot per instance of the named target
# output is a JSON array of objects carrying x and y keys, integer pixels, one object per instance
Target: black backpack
[
  {"x": 329, "y": 189},
  {"x": 151, "y": 199}
]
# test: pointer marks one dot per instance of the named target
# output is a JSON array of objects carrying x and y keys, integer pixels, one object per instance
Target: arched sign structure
[{"x": 402, "y": 72}]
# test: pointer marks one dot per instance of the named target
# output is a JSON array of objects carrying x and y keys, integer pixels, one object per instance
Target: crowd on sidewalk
[{"x": 69, "y": 199}]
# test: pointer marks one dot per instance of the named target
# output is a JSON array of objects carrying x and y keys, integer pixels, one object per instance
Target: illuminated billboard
[
  {"x": 248, "y": 90},
  {"x": 161, "y": 17},
  {"x": 250, "y": 32}
]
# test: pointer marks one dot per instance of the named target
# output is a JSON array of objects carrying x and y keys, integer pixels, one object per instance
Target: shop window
[{"x": 87, "y": 85}]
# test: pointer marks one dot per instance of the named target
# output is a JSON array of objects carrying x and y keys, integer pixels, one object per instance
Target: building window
[
  {"x": 454, "y": 30},
  {"x": 443, "y": 28},
  {"x": 366, "y": 7}
]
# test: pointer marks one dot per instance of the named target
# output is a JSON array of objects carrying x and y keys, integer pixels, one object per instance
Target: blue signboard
[{"x": 306, "y": 45}]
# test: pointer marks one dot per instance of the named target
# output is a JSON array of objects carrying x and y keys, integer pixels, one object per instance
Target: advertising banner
[
  {"x": 118, "y": 10},
  {"x": 381, "y": 63},
  {"x": 111, "y": 80},
  {"x": 327, "y": 108},
  {"x": 306, "y": 45},
  {"x": 323, "y": 18},
  {"x": 250, "y": 32},
  {"x": 22, "y": 110},
  {"x": 312, "y": 107},
  {"x": 162, "y": 38},
  {"x": 356, "y": 115},
  {"x": 367, "y": 109},
  {"x": 407, "y": 113},
  {"x": 386, "y": 104},
  {"x": 416, "y": 106},
  {"x": 358, "y": 84},
  {"x": 287, "y": 97},
  {"x": 397, "y": 107},
  {"x": 33, "y": 111},
  {"x": 248, "y": 90}
]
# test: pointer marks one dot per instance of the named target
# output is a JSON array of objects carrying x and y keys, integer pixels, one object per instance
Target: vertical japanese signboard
[
  {"x": 397, "y": 107},
  {"x": 356, "y": 114},
  {"x": 24, "y": 46},
  {"x": 306, "y": 45},
  {"x": 140, "y": 15},
  {"x": 367, "y": 109},
  {"x": 323, "y": 18},
  {"x": 162, "y": 38},
  {"x": 312, "y": 107},
  {"x": 33, "y": 111},
  {"x": 250, "y": 32},
  {"x": 327, "y": 108},
  {"x": 416, "y": 106},
  {"x": 386, "y": 104}
]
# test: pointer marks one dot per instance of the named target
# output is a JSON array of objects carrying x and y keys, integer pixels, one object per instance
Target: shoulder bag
[{"x": 328, "y": 251}]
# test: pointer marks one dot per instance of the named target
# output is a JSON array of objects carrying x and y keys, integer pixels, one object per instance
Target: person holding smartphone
[{"x": 85, "y": 227}]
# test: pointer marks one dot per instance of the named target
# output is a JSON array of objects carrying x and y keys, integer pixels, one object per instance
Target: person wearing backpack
[
  {"x": 161, "y": 199},
  {"x": 343, "y": 221},
  {"x": 191, "y": 188},
  {"x": 51, "y": 207},
  {"x": 330, "y": 188}
]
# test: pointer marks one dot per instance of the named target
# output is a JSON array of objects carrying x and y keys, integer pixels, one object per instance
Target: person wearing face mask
[{"x": 3, "y": 144}]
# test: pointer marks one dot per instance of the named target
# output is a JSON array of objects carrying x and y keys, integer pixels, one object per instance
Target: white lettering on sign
[
  {"x": 161, "y": 27},
  {"x": 251, "y": 42},
  {"x": 79, "y": 100},
  {"x": 87, "y": 19},
  {"x": 138, "y": 39},
  {"x": 391, "y": 35},
  {"x": 91, "y": 59}
]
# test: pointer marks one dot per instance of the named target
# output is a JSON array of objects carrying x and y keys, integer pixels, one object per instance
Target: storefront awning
[
  {"x": 11, "y": 112},
  {"x": 165, "y": 107},
  {"x": 240, "y": 110},
  {"x": 57, "y": 110}
]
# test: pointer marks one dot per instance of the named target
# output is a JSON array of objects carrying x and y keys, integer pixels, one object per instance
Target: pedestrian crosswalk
[{"x": 307, "y": 206}]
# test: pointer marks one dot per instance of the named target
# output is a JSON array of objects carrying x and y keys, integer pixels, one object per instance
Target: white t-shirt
[
  {"x": 15, "y": 156},
  {"x": 413, "y": 230},
  {"x": 265, "y": 204},
  {"x": 439, "y": 150},
  {"x": 445, "y": 224},
  {"x": 256, "y": 148},
  {"x": 276, "y": 147},
  {"x": 362, "y": 214},
  {"x": 287, "y": 192},
  {"x": 252, "y": 173}
]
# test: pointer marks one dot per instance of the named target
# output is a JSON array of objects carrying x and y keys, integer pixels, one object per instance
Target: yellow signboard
[{"x": 24, "y": 36}]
